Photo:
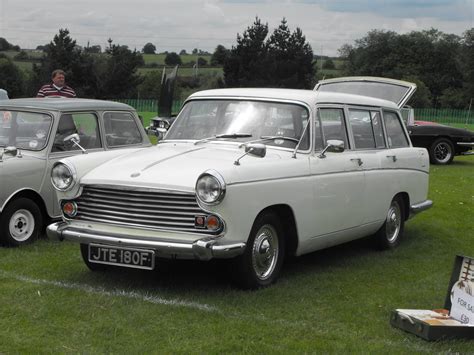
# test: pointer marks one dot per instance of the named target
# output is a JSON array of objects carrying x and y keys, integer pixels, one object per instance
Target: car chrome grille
[{"x": 134, "y": 207}]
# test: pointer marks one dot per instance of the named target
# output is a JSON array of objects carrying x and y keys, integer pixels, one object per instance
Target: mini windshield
[
  {"x": 25, "y": 130},
  {"x": 242, "y": 121}
]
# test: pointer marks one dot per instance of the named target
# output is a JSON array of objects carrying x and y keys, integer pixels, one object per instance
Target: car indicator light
[{"x": 70, "y": 209}]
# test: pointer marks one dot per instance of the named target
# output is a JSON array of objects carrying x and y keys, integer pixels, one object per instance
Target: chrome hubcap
[
  {"x": 394, "y": 222},
  {"x": 442, "y": 152},
  {"x": 22, "y": 225},
  {"x": 265, "y": 252}
]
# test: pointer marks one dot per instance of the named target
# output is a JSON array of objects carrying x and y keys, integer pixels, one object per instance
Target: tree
[
  {"x": 285, "y": 59},
  {"x": 201, "y": 62},
  {"x": 329, "y": 64},
  {"x": 149, "y": 48},
  {"x": 11, "y": 78},
  {"x": 219, "y": 56},
  {"x": 7, "y": 46},
  {"x": 172, "y": 58},
  {"x": 183, "y": 52}
]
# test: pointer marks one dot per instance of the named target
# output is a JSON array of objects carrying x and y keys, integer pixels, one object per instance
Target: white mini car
[
  {"x": 251, "y": 175},
  {"x": 35, "y": 134}
]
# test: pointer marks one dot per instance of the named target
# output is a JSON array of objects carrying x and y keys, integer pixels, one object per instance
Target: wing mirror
[
  {"x": 11, "y": 150},
  {"x": 74, "y": 139},
  {"x": 333, "y": 146},
  {"x": 255, "y": 149}
]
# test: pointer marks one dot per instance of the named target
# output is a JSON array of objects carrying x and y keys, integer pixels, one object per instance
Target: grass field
[{"x": 336, "y": 300}]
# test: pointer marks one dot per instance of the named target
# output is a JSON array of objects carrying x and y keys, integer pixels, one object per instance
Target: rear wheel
[
  {"x": 85, "y": 258},
  {"x": 442, "y": 151},
  {"x": 20, "y": 223},
  {"x": 391, "y": 232},
  {"x": 262, "y": 260}
]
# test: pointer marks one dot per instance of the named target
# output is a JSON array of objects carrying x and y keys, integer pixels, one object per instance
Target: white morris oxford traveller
[{"x": 251, "y": 175}]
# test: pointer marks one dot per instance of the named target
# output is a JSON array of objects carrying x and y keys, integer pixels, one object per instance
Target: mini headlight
[
  {"x": 210, "y": 187},
  {"x": 63, "y": 176}
]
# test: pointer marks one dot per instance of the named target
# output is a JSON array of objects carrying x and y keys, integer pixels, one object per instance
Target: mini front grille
[{"x": 152, "y": 209}]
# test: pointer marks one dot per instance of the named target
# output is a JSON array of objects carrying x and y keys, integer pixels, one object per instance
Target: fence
[
  {"x": 422, "y": 114},
  {"x": 444, "y": 115},
  {"x": 148, "y": 105}
]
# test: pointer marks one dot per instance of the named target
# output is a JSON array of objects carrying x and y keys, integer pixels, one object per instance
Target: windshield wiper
[
  {"x": 231, "y": 136},
  {"x": 271, "y": 138}
]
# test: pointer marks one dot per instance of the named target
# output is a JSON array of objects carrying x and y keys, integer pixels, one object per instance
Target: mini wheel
[{"x": 20, "y": 222}]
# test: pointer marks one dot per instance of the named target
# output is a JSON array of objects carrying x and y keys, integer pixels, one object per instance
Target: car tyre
[
  {"x": 391, "y": 232},
  {"x": 442, "y": 151},
  {"x": 262, "y": 260},
  {"x": 20, "y": 223},
  {"x": 85, "y": 258}
]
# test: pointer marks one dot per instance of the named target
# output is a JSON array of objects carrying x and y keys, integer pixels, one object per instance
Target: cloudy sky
[{"x": 173, "y": 25}]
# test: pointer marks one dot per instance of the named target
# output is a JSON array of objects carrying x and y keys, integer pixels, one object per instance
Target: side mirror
[
  {"x": 333, "y": 146},
  {"x": 74, "y": 139},
  {"x": 256, "y": 149}
]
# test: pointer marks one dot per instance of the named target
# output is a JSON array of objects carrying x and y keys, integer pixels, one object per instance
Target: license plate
[{"x": 127, "y": 257}]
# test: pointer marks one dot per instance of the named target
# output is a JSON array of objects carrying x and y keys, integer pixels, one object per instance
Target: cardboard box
[{"x": 438, "y": 324}]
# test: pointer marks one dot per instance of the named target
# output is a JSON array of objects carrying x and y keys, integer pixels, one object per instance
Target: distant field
[{"x": 186, "y": 71}]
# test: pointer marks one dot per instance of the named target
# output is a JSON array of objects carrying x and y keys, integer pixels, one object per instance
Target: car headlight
[
  {"x": 210, "y": 187},
  {"x": 63, "y": 176}
]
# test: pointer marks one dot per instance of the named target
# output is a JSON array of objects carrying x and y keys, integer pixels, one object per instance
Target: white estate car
[{"x": 250, "y": 175}]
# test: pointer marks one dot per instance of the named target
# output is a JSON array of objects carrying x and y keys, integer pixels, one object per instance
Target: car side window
[
  {"x": 395, "y": 134},
  {"x": 332, "y": 122},
  {"x": 121, "y": 129},
  {"x": 366, "y": 129},
  {"x": 83, "y": 124}
]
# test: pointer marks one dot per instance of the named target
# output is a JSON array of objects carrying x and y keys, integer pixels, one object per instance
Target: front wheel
[
  {"x": 262, "y": 260},
  {"x": 442, "y": 151},
  {"x": 20, "y": 222},
  {"x": 391, "y": 232}
]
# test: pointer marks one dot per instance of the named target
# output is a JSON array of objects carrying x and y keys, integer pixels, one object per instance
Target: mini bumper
[{"x": 202, "y": 249}]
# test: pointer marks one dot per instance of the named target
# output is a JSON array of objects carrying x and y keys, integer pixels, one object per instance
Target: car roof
[
  {"x": 308, "y": 97},
  {"x": 64, "y": 104}
]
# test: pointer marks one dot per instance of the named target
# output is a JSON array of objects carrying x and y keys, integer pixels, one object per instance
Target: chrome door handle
[
  {"x": 358, "y": 160},
  {"x": 394, "y": 157}
]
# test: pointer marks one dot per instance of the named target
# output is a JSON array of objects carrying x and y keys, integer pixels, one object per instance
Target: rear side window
[
  {"x": 366, "y": 129},
  {"x": 121, "y": 129},
  {"x": 395, "y": 134},
  {"x": 332, "y": 123}
]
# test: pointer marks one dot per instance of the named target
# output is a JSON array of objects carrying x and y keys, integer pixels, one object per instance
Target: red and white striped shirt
[{"x": 51, "y": 90}]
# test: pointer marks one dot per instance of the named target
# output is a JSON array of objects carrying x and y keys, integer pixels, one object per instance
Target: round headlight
[
  {"x": 210, "y": 187},
  {"x": 63, "y": 176}
]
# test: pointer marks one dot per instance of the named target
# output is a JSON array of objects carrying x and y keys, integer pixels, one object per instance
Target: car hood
[{"x": 176, "y": 166}]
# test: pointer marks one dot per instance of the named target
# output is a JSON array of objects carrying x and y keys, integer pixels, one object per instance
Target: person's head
[{"x": 59, "y": 77}]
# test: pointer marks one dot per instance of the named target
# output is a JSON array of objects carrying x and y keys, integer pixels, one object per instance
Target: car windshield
[
  {"x": 25, "y": 130},
  {"x": 242, "y": 121}
]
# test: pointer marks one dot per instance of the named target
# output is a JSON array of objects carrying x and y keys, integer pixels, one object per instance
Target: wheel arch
[
  {"x": 406, "y": 203},
  {"x": 285, "y": 214},
  {"x": 31, "y": 195}
]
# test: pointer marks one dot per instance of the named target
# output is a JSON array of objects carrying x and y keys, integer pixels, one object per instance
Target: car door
[
  {"x": 337, "y": 180},
  {"x": 23, "y": 137}
]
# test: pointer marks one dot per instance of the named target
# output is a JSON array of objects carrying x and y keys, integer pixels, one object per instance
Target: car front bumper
[{"x": 201, "y": 249}]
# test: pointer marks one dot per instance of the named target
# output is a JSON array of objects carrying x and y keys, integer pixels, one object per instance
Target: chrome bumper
[
  {"x": 202, "y": 249},
  {"x": 420, "y": 207}
]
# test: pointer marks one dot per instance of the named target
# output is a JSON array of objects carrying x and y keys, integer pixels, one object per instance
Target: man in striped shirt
[{"x": 58, "y": 87}]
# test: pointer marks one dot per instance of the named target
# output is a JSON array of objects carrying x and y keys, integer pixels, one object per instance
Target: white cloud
[{"x": 186, "y": 24}]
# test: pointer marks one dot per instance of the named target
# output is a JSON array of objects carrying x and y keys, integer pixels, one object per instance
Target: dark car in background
[{"x": 442, "y": 142}]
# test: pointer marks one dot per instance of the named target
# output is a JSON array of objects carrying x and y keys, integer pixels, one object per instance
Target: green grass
[{"x": 332, "y": 301}]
